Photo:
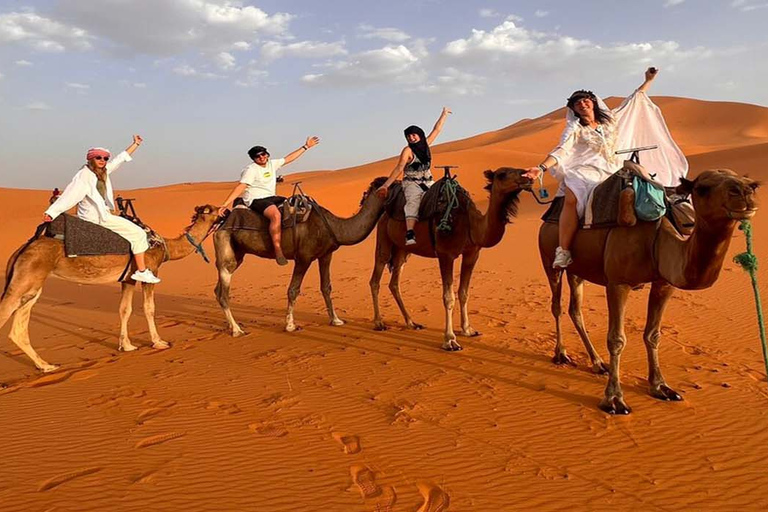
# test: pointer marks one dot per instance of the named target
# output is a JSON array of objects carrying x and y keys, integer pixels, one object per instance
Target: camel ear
[
  {"x": 685, "y": 187},
  {"x": 755, "y": 185},
  {"x": 489, "y": 174}
]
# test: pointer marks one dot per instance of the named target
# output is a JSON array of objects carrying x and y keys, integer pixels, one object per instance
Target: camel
[
  {"x": 472, "y": 231},
  {"x": 316, "y": 239},
  {"x": 622, "y": 258},
  {"x": 34, "y": 261}
]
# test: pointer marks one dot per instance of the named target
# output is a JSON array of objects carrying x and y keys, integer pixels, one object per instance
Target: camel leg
[
  {"x": 19, "y": 332},
  {"x": 398, "y": 262},
  {"x": 227, "y": 262},
  {"x": 375, "y": 284},
  {"x": 149, "y": 313},
  {"x": 324, "y": 264},
  {"x": 661, "y": 292},
  {"x": 468, "y": 262},
  {"x": 576, "y": 284},
  {"x": 300, "y": 268},
  {"x": 555, "y": 280},
  {"x": 126, "y": 307},
  {"x": 446, "y": 272},
  {"x": 613, "y": 402}
]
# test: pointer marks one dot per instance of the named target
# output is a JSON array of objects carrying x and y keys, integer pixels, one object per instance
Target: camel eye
[{"x": 734, "y": 191}]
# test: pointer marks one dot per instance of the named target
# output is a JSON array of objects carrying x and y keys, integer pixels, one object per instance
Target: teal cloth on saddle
[{"x": 649, "y": 200}]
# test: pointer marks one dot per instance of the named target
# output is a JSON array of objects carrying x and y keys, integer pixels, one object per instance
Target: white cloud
[
  {"x": 78, "y": 87},
  {"x": 672, "y": 3},
  {"x": 273, "y": 50},
  {"x": 139, "y": 85},
  {"x": 37, "y": 105},
  {"x": 241, "y": 46},
  {"x": 455, "y": 83},
  {"x": 253, "y": 76},
  {"x": 748, "y": 5},
  {"x": 391, "y": 64},
  {"x": 189, "y": 71},
  {"x": 394, "y": 35},
  {"x": 488, "y": 13},
  {"x": 225, "y": 60},
  {"x": 540, "y": 14},
  {"x": 23, "y": 63},
  {"x": 41, "y": 34},
  {"x": 510, "y": 47},
  {"x": 174, "y": 27}
]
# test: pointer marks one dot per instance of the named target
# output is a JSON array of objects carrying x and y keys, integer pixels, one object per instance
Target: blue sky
[{"x": 204, "y": 80}]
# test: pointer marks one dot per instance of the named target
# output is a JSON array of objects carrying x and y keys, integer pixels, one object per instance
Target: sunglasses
[
  {"x": 105, "y": 158},
  {"x": 262, "y": 154}
]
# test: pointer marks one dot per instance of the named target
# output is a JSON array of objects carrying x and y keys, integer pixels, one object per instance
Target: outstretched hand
[
  {"x": 47, "y": 218},
  {"x": 382, "y": 191},
  {"x": 651, "y": 73},
  {"x": 532, "y": 172},
  {"x": 137, "y": 140},
  {"x": 446, "y": 111},
  {"x": 312, "y": 141}
]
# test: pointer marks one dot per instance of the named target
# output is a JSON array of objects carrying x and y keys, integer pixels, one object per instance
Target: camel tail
[{"x": 15, "y": 256}]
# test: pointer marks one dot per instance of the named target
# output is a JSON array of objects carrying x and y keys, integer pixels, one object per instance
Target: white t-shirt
[{"x": 261, "y": 181}]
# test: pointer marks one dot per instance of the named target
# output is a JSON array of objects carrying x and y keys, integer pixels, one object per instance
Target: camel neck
[
  {"x": 695, "y": 263},
  {"x": 180, "y": 247},
  {"x": 488, "y": 229},
  {"x": 353, "y": 230}
]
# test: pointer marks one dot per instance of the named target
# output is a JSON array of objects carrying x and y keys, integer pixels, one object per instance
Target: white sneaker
[
  {"x": 145, "y": 276},
  {"x": 562, "y": 258}
]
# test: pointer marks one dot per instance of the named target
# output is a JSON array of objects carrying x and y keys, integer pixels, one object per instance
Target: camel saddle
[
  {"x": 83, "y": 238},
  {"x": 293, "y": 210},
  {"x": 612, "y": 203},
  {"x": 433, "y": 202}
]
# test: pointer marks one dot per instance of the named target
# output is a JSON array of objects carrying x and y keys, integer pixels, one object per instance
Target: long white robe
[{"x": 586, "y": 157}]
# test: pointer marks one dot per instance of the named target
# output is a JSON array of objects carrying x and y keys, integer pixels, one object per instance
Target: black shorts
[{"x": 259, "y": 205}]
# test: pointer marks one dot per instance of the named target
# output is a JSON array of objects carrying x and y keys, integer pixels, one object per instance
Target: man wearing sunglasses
[{"x": 256, "y": 189}]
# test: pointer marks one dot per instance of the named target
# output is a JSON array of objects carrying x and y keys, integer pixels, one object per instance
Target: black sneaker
[{"x": 410, "y": 237}]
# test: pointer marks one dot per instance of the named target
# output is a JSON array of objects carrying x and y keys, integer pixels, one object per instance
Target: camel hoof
[
  {"x": 600, "y": 368},
  {"x": 48, "y": 368},
  {"x": 238, "y": 333},
  {"x": 614, "y": 406},
  {"x": 126, "y": 347},
  {"x": 471, "y": 333},
  {"x": 666, "y": 393},
  {"x": 337, "y": 322},
  {"x": 292, "y": 328},
  {"x": 415, "y": 326},
  {"x": 563, "y": 359},
  {"x": 380, "y": 326},
  {"x": 452, "y": 346},
  {"x": 160, "y": 345}
]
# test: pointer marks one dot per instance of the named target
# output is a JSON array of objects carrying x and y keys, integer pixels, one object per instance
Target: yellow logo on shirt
[{"x": 267, "y": 174}]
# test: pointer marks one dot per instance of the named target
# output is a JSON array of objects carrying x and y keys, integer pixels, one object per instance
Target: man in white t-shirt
[{"x": 257, "y": 189}]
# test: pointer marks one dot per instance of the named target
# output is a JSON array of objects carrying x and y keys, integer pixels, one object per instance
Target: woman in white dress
[
  {"x": 585, "y": 156},
  {"x": 91, "y": 191}
]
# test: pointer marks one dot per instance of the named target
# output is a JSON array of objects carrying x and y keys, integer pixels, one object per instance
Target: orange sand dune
[{"x": 349, "y": 419}]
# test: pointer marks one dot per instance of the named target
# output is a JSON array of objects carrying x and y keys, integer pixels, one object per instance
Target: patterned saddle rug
[
  {"x": 83, "y": 238},
  {"x": 433, "y": 203}
]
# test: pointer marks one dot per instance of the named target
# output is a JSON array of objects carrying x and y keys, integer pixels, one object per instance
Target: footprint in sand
[
  {"x": 65, "y": 477},
  {"x": 365, "y": 480},
  {"x": 435, "y": 499},
  {"x": 159, "y": 439},
  {"x": 351, "y": 443},
  {"x": 269, "y": 429},
  {"x": 387, "y": 500}
]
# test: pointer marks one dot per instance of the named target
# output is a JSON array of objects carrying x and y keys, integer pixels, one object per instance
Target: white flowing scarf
[{"x": 639, "y": 122}]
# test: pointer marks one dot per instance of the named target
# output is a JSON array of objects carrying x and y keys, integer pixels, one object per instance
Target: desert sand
[{"x": 349, "y": 419}]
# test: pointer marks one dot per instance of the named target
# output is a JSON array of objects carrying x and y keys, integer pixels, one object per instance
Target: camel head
[
  {"x": 206, "y": 215},
  {"x": 721, "y": 195},
  {"x": 375, "y": 185},
  {"x": 507, "y": 182}
]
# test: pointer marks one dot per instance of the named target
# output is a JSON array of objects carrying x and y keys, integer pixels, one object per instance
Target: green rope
[
  {"x": 450, "y": 186},
  {"x": 748, "y": 261}
]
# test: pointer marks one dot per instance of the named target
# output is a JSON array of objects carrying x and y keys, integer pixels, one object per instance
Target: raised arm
[
  {"x": 227, "y": 204},
  {"x": 124, "y": 156},
  {"x": 650, "y": 75},
  {"x": 137, "y": 140},
  {"x": 311, "y": 142},
  {"x": 438, "y": 126},
  {"x": 406, "y": 155}
]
